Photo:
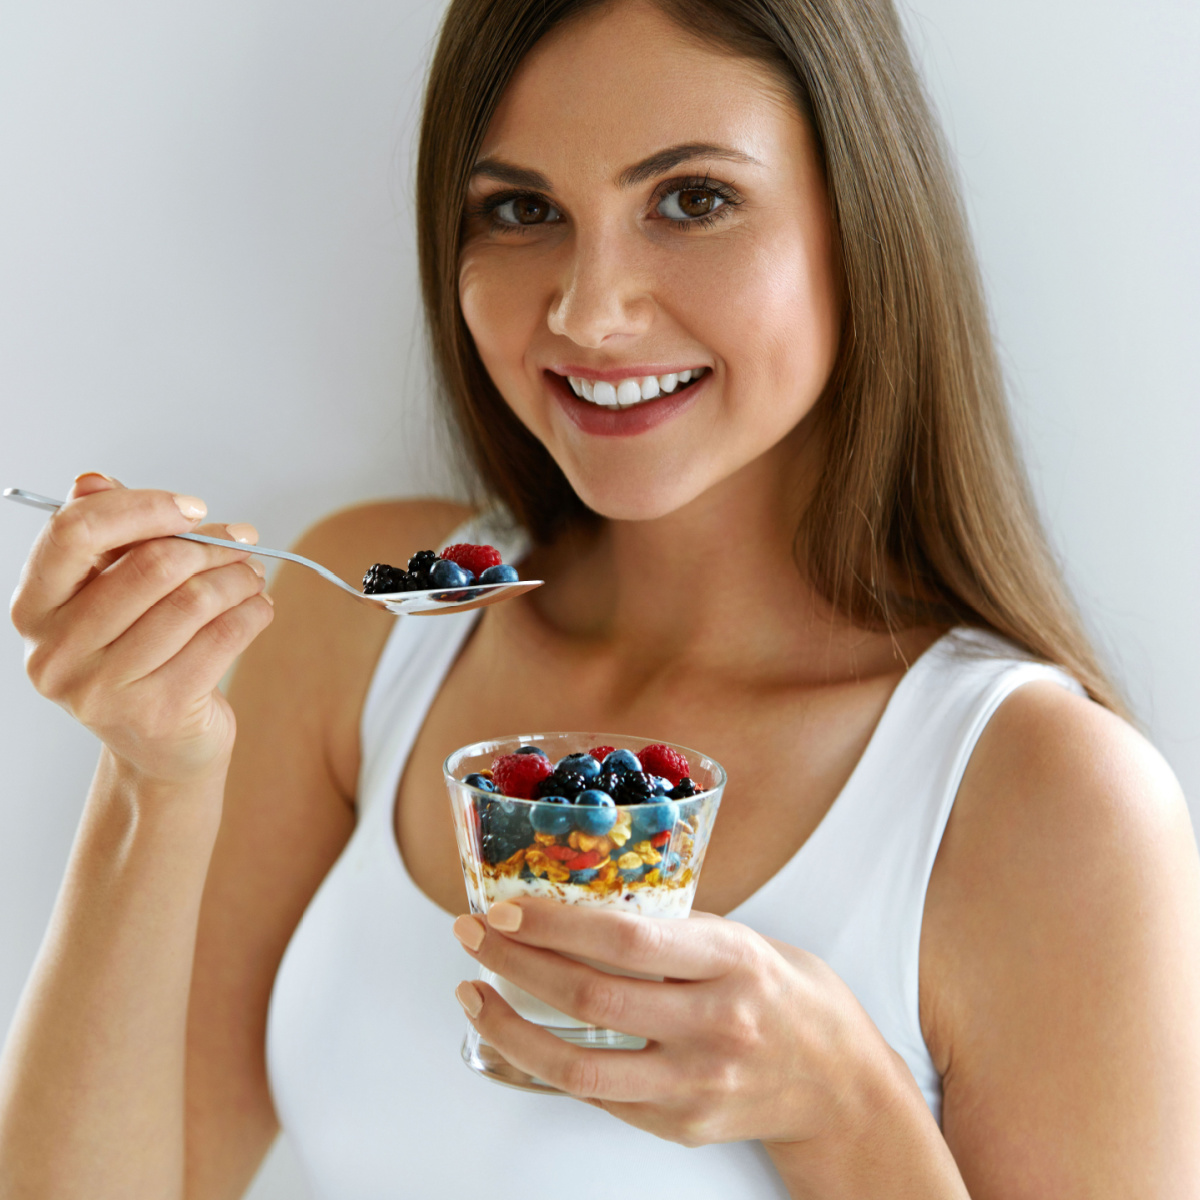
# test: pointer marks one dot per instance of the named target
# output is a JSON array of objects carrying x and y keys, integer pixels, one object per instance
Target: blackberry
[
  {"x": 419, "y": 567},
  {"x": 632, "y": 787},
  {"x": 683, "y": 789},
  {"x": 503, "y": 829},
  {"x": 381, "y": 578},
  {"x": 606, "y": 781},
  {"x": 562, "y": 783}
]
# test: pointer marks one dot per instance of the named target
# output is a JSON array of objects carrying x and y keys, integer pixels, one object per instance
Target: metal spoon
[{"x": 423, "y": 604}]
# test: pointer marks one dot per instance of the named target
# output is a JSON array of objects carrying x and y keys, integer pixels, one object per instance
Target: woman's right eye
[{"x": 524, "y": 211}]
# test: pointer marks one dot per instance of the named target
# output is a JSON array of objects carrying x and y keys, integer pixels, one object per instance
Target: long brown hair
[{"x": 922, "y": 513}]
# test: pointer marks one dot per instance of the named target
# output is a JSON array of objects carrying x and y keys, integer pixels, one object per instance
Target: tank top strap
[
  {"x": 415, "y": 660},
  {"x": 855, "y": 893}
]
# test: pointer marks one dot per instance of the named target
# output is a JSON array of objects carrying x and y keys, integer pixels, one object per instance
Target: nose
[{"x": 603, "y": 297}]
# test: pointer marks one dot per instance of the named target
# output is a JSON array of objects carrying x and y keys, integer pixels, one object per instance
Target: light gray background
[{"x": 207, "y": 282}]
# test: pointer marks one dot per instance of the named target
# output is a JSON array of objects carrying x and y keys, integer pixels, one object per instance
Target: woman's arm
[
  {"x": 1060, "y": 994},
  {"x": 130, "y": 630}
]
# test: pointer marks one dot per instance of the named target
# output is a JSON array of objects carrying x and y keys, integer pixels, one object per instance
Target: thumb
[{"x": 90, "y": 482}]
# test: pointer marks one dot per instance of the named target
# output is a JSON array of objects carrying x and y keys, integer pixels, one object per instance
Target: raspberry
[
  {"x": 600, "y": 753},
  {"x": 517, "y": 775},
  {"x": 662, "y": 760},
  {"x": 475, "y": 559}
]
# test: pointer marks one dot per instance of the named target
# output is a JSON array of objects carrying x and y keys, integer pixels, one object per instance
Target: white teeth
[
  {"x": 629, "y": 392},
  {"x": 604, "y": 393},
  {"x": 625, "y": 393}
]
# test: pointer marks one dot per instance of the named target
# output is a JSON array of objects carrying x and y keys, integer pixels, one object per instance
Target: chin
[{"x": 634, "y": 499}]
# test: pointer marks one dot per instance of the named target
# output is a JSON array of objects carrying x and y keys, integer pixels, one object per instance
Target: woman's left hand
[{"x": 748, "y": 1038}]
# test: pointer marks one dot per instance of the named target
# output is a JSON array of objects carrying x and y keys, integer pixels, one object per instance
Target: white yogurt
[{"x": 670, "y": 903}]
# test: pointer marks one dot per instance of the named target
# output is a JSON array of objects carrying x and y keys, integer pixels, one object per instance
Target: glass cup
[{"x": 648, "y": 863}]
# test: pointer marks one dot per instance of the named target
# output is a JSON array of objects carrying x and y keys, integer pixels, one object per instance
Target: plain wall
[{"x": 207, "y": 282}]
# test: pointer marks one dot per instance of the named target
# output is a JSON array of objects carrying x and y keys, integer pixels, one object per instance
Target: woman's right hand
[{"x": 130, "y": 629}]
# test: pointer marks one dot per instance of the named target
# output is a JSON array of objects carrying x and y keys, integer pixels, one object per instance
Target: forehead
[{"x": 619, "y": 83}]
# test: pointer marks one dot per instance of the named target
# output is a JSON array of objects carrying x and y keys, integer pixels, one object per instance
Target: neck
[{"x": 715, "y": 584}]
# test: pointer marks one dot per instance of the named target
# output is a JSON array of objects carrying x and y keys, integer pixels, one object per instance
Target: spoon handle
[{"x": 33, "y": 500}]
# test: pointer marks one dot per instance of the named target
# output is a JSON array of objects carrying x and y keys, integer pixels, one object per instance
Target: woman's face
[{"x": 644, "y": 206}]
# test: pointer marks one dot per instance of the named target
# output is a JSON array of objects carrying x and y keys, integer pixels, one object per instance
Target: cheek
[{"x": 500, "y": 309}]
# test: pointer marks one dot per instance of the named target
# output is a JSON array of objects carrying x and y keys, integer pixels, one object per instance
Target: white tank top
[{"x": 364, "y": 1032}]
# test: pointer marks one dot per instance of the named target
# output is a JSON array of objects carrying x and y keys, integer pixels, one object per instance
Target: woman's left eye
[{"x": 690, "y": 204}]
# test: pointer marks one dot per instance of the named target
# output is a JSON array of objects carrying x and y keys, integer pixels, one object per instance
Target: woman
[{"x": 955, "y": 895}]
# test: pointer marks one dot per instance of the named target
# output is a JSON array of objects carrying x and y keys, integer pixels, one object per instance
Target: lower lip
[{"x": 622, "y": 422}]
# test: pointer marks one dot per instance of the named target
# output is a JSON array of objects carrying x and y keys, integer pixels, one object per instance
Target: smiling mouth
[{"x": 629, "y": 393}]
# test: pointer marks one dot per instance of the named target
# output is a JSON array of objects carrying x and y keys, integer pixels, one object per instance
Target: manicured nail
[
  {"x": 469, "y": 932},
  {"x": 468, "y": 996},
  {"x": 242, "y": 532},
  {"x": 257, "y": 567},
  {"x": 98, "y": 475},
  {"x": 505, "y": 917},
  {"x": 192, "y": 507},
  {"x": 267, "y": 597}
]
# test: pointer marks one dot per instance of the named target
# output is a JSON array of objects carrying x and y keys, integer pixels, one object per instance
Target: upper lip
[{"x": 615, "y": 374}]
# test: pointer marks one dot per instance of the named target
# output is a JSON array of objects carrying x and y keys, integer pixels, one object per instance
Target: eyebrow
[{"x": 648, "y": 168}]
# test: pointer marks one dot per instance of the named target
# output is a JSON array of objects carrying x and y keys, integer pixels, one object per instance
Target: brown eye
[
  {"x": 690, "y": 204},
  {"x": 524, "y": 210},
  {"x": 696, "y": 203}
]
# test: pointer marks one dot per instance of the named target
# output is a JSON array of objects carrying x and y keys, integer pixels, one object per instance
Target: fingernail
[
  {"x": 505, "y": 917},
  {"x": 257, "y": 567},
  {"x": 469, "y": 932},
  {"x": 267, "y": 597},
  {"x": 192, "y": 507},
  {"x": 242, "y": 532},
  {"x": 98, "y": 475},
  {"x": 468, "y": 996}
]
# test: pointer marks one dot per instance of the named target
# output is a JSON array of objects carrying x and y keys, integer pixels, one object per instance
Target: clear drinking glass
[{"x": 649, "y": 863}]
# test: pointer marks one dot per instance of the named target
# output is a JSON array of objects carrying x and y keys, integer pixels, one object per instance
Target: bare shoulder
[
  {"x": 1060, "y": 959},
  {"x": 327, "y": 640}
]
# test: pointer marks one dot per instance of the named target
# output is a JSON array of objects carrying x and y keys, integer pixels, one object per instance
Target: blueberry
[
  {"x": 660, "y": 786},
  {"x": 552, "y": 815},
  {"x": 595, "y": 812},
  {"x": 501, "y": 573},
  {"x": 482, "y": 782},
  {"x": 670, "y": 864},
  {"x": 583, "y": 764},
  {"x": 530, "y": 750},
  {"x": 585, "y": 876},
  {"x": 651, "y": 819},
  {"x": 631, "y": 874},
  {"x": 447, "y": 574},
  {"x": 622, "y": 760}
]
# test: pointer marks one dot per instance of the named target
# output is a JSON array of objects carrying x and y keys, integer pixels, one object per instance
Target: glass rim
[{"x": 481, "y": 747}]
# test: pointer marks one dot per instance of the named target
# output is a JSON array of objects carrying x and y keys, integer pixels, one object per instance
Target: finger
[
  {"x": 143, "y": 576},
  {"x": 202, "y": 663},
  {"x": 649, "y": 1009},
  {"x": 87, "y": 528},
  {"x": 166, "y": 628},
  {"x": 629, "y": 1076},
  {"x": 680, "y": 949}
]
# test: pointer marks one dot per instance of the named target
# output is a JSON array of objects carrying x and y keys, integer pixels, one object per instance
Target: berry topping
[
  {"x": 499, "y": 574},
  {"x": 662, "y": 760},
  {"x": 621, "y": 760},
  {"x": 650, "y": 820},
  {"x": 475, "y": 559},
  {"x": 683, "y": 789},
  {"x": 582, "y": 764},
  {"x": 552, "y": 816},
  {"x": 595, "y": 812},
  {"x": 531, "y": 750},
  {"x": 563, "y": 783},
  {"x": 481, "y": 782},
  {"x": 600, "y": 753},
  {"x": 382, "y": 579},
  {"x": 418, "y": 569},
  {"x": 447, "y": 574},
  {"x": 518, "y": 774},
  {"x": 504, "y": 829}
]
